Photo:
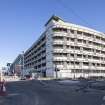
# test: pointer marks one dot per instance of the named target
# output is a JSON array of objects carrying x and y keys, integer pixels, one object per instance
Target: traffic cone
[{"x": 2, "y": 89}]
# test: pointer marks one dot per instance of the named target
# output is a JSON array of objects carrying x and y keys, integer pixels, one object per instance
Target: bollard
[{"x": 3, "y": 91}]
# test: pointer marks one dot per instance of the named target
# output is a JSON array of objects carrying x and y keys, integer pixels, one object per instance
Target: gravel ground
[{"x": 51, "y": 92}]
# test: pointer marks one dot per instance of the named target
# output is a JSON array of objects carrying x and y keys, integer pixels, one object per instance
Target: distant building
[
  {"x": 8, "y": 68},
  {"x": 4, "y": 70},
  {"x": 71, "y": 50},
  {"x": 17, "y": 65}
]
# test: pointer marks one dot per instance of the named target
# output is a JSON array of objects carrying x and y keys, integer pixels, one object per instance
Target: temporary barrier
[{"x": 3, "y": 91}]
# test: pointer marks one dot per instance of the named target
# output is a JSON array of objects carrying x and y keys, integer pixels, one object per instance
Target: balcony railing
[
  {"x": 60, "y": 58},
  {"x": 58, "y": 42},
  {"x": 59, "y": 33}
]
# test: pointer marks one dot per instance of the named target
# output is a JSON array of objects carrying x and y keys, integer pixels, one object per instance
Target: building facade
[
  {"x": 17, "y": 66},
  {"x": 8, "y": 68},
  {"x": 67, "y": 50}
]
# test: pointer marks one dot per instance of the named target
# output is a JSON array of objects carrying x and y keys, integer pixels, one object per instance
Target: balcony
[
  {"x": 58, "y": 42},
  {"x": 103, "y": 49},
  {"x": 58, "y": 50},
  {"x": 77, "y": 51},
  {"x": 43, "y": 55},
  {"x": 90, "y": 46},
  {"x": 59, "y": 33},
  {"x": 93, "y": 67},
  {"x": 79, "y": 44},
  {"x": 99, "y": 41},
  {"x": 103, "y": 42},
  {"x": 79, "y": 59},
  {"x": 70, "y": 50},
  {"x": 100, "y": 68},
  {"x": 60, "y": 66},
  {"x": 102, "y": 55},
  {"x": 87, "y": 52},
  {"x": 77, "y": 67},
  {"x": 97, "y": 54},
  {"x": 79, "y": 36},
  {"x": 60, "y": 58},
  {"x": 85, "y": 67},
  {"x": 70, "y": 66},
  {"x": 70, "y": 43},
  {"x": 89, "y": 38},
  {"x": 72, "y": 35},
  {"x": 43, "y": 61},
  {"x": 96, "y": 61},
  {"x": 71, "y": 58},
  {"x": 98, "y": 48}
]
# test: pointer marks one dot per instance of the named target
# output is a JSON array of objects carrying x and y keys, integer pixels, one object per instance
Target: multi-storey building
[
  {"x": 17, "y": 66},
  {"x": 71, "y": 50},
  {"x": 8, "y": 68}
]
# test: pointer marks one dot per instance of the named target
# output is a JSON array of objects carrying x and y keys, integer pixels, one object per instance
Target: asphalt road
[{"x": 50, "y": 93}]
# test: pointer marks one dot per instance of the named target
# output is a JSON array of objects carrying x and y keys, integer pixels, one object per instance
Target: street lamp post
[
  {"x": 56, "y": 71},
  {"x": 0, "y": 74},
  {"x": 23, "y": 64}
]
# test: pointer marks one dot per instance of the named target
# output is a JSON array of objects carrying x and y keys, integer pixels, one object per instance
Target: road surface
[{"x": 51, "y": 92}]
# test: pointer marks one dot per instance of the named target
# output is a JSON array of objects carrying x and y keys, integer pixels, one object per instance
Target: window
[
  {"x": 79, "y": 55},
  {"x": 76, "y": 63},
  {"x": 68, "y": 38},
  {"x": 95, "y": 57},
  {"x": 90, "y": 42},
  {"x": 58, "y": 46},
  {"x": 79, "y": 32},
  {"x": 89, "y": 56},
  {"x": 93, "y": 64},
  {"x": 84, "y": 41},
  {"x": 64, "y": 54},
  {"x": 98, "y": 64},
  {"x": 77, "y": 48},
  {"x": 87, "y": 49},
  {"x": 67, "y": 46},
  {"x": 103, "y": 39},
  {"x": 84, "y": 56},
  {"x": 72, "y": 47},
  {"x": 72, "y": 39},
  {"x": 72, "y": 63},
  {"x": 87, "y": 34},
  {"x": 85, "y": 63},
  {"x": 97, "y": 37},
  {"x": 58, "y": 37},
  {"x": 79, "y": 40},
  {"x": 68, "y": 62},
  {"x": 72, "y": 55},
  {"x": 59, "y": 30},
  {"x": 72, "y": 31}
]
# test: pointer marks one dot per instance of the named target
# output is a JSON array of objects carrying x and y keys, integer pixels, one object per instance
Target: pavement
[
  {"x": 11, "y": 78},
  {"x": 53, "y": 92}
]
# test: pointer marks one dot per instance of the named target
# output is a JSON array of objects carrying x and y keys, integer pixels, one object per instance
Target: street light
[
  {"x": 23, "y": 64},
  {"x": 0, "y": 75},
  {"x": 56, "y": 70}
]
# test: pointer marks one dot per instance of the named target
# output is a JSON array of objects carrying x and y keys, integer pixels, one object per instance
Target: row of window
[
  {"x": 78, "y": 32},
  {"x": 39, "y": 59},
  {"x": 78, "y": 63},
  {"x": 37, "y": 47},
  {"x": 97, "y": 44},
  {"x": 38, "y": 66},
  {"x": 87, "y": 71},
  {"x": 34, "y": 56},
  {"x": 82, "y": 48}
]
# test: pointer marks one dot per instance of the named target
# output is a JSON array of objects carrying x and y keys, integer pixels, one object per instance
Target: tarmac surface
[{"x": 51, "y": 92}]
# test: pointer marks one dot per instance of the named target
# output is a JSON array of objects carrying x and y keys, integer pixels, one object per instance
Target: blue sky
[{"x": 22, "y": 21}]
